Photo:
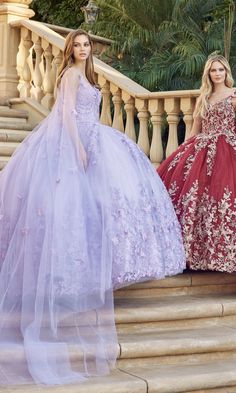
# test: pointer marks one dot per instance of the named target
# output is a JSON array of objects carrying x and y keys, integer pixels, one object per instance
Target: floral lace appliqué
[{"x": 209, "y": 229}]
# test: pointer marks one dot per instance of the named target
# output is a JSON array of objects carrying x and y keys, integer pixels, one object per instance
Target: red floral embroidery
[{"x": 201, "y": 179}]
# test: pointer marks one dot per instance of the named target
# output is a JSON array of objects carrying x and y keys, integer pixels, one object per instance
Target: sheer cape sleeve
[{"x": 68, "y": 92}]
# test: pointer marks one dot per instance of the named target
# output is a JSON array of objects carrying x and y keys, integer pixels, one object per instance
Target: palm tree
[
  {"x": 164, "y": 44},
  {"x": 184, "y": 43},
  {"x": 132, "y": 25}
]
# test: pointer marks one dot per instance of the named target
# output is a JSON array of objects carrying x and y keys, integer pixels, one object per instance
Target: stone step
[
  {"x": 170, "y": 313},
  {"x": 228, "y": 389},
  {"x": 189, "y": 283},
  {"x": 11, "y": 115},
  {"x": 13, "y": 135},
  {"x": 181, "y": 308},
  {"x": 8, "y": 148},
  {"x": 4, "y": 103},
  {"x": 15, "y": 125},
  {"x": 172, "y": 331},
  {"x": 117, "y": 382},
  {"x": 148, "y": 314},
  {"x": 182, "y": 346},
  {"x": 189, "y": 346},
  {"x": 6, "y": 111},
  {"x": 196, "y": 358},
  {"x": 204, "y": 377},
  {"x": 197, "y": 378},
  {"x": 171, "y": 344}
]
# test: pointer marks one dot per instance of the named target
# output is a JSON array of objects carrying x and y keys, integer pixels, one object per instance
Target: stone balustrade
[
  {"x": 100, "y": 44},
  {"x": 127, "y": 106}
]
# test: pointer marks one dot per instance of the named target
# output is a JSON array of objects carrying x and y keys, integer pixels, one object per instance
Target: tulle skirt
[
  {"x": 69, "y": 235},
  {"x": 201, "y": 179}
]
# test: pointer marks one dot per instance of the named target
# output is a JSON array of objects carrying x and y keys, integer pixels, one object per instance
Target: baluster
[
  {"x": 187, "y": 107},
  {"x": 53, "y": 72},
  {"x": 23, "y": 68},
  {"x": 20, "y": 59},
  {"x": 130, "y": 110},
  {"x": 56, "y": 63},
  {"x": 48, "y": 84},
  {"x": 143, "y": 116},
  {"x": 118, "y": 122},
  {"x": 57, "y": 53},
  {"x": 172, "y": 108},
  {"x": 106, "y": 107},
  {"x": 156, "y": 108},
  {"x": 37, "y": 91}
]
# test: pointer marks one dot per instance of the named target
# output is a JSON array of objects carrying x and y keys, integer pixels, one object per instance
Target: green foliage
[
  {"x": 163, "y": 50},
  {"x": 65, "y": 13},
  {"x": 162, "y": 44}
]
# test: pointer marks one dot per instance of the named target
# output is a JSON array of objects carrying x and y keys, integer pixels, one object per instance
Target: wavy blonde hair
[
  {"x": 68, "y": 57},
  {"x": 206, "y": 88}
]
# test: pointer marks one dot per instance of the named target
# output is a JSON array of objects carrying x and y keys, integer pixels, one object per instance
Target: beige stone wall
[{"x": 10, "y": 10}]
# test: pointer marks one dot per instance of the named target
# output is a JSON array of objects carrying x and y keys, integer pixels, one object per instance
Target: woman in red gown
[{"x": 201, "y": 174}]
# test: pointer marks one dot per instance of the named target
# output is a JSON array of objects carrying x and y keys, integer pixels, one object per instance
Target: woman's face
[
  {"x": 81, "y": 48},
  {"x": 217, "y": 72}
]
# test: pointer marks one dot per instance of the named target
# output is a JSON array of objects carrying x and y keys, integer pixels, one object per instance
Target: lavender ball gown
[{"x": 69, "y": 235}]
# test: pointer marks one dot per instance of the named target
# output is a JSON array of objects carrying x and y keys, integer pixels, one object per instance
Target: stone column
[{"x": 10, "y": 10}]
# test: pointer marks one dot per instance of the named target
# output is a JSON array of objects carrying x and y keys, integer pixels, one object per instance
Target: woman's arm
[
  {"x": 196, "y": 127},
  {"x": 197, "y": 123}
]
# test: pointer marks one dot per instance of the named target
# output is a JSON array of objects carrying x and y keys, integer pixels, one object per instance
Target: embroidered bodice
[
  {"x": 220, "y": 118},
  {"x": 87, "y": 102}
]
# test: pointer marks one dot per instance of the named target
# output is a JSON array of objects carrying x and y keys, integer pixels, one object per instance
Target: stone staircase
[
  {"x": 176, "y": 335},
  {"x": 179, "y": 334},
  {"x": 14, "y": 127}
]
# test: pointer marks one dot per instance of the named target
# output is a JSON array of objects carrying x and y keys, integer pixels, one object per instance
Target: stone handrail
[
  {"x": 100, "y": 44},
  {"x": 66, "y": 30},
  {"x": 126, "y": 105}
]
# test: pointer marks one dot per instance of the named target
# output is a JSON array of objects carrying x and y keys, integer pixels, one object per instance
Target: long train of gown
[
  {"x": 201, "y": 179},
  {"x": 69, "y": 235}
]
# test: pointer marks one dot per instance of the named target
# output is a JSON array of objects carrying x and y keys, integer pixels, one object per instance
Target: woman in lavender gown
[{"x": 81, "y": 212}]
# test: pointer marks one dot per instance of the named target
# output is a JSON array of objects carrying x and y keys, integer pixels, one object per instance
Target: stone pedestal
[{"x": 10, "y": 10}]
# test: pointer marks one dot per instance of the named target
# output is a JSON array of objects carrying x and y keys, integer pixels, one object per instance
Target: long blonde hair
[
  {"x": 206, "y": 88},
  {"x": 68, "y": 57}
]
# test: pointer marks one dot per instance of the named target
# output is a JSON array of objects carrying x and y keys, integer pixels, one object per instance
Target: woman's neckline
[
  {"x": 223, "y": 99},
  {"x": 84, "y": 78},
  {"x": 81, "y": 74}
]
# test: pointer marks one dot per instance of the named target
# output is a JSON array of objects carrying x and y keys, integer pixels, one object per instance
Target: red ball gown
[{"x": 201, "y": 179}]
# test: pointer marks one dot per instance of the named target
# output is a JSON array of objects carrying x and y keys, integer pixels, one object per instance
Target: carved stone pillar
[
  {"x": 156, "y": 109},
  {"x": 105, "y": 117},
  {"x": 187, "y": 106},
  {"x": 118, "y": 122},
  {"x": 143, "y": 116},
  {"x": 130, "y": 110},
  {"x": 172, "y": 107},
  {"x": 10, "y": 10}
]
